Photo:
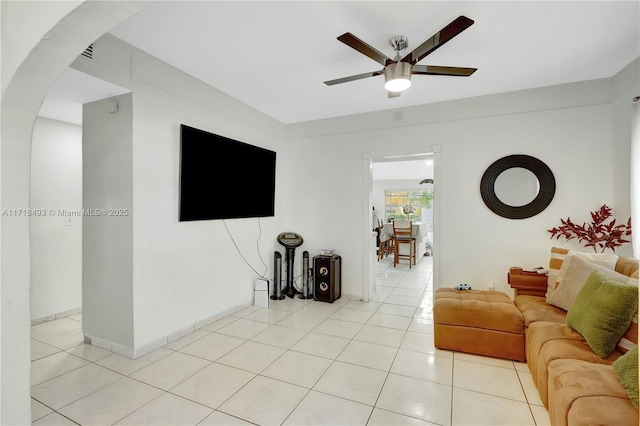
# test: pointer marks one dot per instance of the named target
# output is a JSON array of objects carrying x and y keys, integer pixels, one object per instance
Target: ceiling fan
[{"x": 397, "y": 72}]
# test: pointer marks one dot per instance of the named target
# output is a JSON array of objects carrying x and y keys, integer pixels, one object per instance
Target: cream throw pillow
[
  {"x": 556, "y": 260},
  {"x": 574, "y": 272}
]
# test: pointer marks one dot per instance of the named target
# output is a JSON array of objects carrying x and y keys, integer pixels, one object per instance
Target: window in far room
[{"x": 403, "y": 204}]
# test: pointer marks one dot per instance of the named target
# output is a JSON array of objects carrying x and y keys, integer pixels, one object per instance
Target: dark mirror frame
[{"x": 535, "y": 166}]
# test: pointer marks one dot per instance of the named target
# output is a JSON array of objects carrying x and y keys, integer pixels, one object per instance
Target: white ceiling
[
  {"x": 73, "y": 89},
  {"x": 274, "y": 56}
]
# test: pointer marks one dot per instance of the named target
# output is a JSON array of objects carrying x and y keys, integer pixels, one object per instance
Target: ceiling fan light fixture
[{"x": 397, "y": 76}]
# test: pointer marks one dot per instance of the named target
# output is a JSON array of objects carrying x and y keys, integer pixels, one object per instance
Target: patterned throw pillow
[
  {"x": 626, "y": 368},
  {"x": 558, "y": 255},
  {"x": 602, "y": 312}
]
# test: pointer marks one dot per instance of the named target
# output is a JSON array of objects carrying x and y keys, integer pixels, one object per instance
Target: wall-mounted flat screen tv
[{"x": 222, "y": 178}]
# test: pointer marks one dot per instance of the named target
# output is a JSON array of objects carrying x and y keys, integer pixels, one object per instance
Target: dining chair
[
  {"x": 403, "y": 235},
  {"x": 385, "y": 247}
]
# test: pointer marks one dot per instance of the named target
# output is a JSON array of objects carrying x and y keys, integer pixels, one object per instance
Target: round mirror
[
  {"x": 516, "y": 187},
  {"x": 526, "y": 189}
]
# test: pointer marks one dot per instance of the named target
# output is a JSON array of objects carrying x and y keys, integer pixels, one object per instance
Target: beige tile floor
[{"x": 298, "y": 362}]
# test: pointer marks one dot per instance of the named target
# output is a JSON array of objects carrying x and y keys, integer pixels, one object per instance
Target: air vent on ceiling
[{"x": 88, "y": 52}]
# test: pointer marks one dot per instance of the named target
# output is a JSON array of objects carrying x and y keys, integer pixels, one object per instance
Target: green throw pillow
[
  {"x": 626, "y": 367},
  {"x": 602, "y": 312}
]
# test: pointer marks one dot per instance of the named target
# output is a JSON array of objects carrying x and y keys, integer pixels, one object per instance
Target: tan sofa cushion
[
  {"x": 535, "y": 308},
  {"x": 628, "y": 266},
  {"x": 491, "y": 310},
  {"x": 602, "y": 410},
  {"x": 548, "y": 341},
  {"x": 583, "y": 393}
]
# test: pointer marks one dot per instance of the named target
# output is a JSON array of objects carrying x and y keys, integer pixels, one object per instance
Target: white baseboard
[
  {"x": 144, "y": 349},
  {"x": 110, "y": 346},
  {"x": 58, "y": 315}
]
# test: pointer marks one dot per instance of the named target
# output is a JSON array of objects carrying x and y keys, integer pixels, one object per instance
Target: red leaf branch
[{"x": 597, "y": 233}]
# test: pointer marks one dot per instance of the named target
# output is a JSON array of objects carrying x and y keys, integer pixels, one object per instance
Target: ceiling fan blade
[
  {"x": 458, "y": 25},
  {"x": 393, "y": 94},
  {"x": 362, "y": 47},
  {"x": 436, "y": 70},
  {"x": 353, "y": 77}
]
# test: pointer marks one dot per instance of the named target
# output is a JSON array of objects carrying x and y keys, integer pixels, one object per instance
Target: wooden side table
[{"x": 527, "y": 282}]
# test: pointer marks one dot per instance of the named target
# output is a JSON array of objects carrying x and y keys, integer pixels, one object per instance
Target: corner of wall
[{"x": 626, "y": 79}]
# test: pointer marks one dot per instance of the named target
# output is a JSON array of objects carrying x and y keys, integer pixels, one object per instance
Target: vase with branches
[{"x": 597, "y": 234}]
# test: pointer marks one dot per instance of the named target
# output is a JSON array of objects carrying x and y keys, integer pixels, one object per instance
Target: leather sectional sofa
[{"x": 577, "y": 386}]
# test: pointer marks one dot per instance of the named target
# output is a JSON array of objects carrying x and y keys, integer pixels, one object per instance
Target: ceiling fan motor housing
[{"x": 397, "y": 76}]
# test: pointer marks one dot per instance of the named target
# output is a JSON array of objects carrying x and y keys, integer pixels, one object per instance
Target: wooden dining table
[{"x": 419, "y": 233}]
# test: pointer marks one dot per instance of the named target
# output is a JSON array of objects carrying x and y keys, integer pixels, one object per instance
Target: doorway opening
[{"x": 417, "y": 171}]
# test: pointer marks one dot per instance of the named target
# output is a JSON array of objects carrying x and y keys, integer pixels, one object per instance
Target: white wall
[
  {"x": 56, "y": 240},
  {"x": 186, "y": 272},
  {"x": 183, "y": 273},
  {"x": 625, "y": 86},
  {"x": 476, "y": 246},
  {"x": 107, "y": 239}
]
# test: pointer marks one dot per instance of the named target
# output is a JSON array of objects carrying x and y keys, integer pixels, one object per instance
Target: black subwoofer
[{"x": 327, "y": 276}]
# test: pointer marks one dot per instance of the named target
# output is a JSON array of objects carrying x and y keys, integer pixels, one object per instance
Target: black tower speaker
[{"x": 327, "y": 275}]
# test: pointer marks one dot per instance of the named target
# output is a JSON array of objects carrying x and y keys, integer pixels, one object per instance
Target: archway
[{"x": 53, "y": 43}]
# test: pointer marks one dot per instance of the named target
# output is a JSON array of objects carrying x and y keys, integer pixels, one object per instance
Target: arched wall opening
[{"x": 51, "y": 44}]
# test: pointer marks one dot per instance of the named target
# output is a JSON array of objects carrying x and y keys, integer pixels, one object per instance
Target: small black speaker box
[{"x": 327, "y": 277}]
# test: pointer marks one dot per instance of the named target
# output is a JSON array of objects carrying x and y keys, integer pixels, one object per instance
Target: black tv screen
[{"x": 222, "y": 178}]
